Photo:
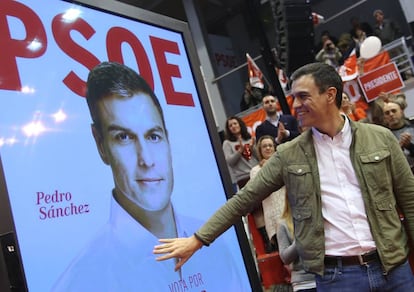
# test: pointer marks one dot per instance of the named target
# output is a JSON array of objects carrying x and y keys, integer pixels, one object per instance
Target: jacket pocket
[
  {"x": 375, "y": 157},
  {"x": 389, "y": 222},
  {"x": 375, "y": 169},
  {"x": 302, "y": 218},
  {"x": 385, "y": 205},
  {"x": 300, "y": 183}
]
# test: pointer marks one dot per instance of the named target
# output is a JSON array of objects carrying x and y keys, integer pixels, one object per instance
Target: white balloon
[{"x": 370, "y": 47}]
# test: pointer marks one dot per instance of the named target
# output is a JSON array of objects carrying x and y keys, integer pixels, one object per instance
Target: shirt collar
[
  {"x": 344, "y": 133},
  {"x": 273, "y": 120}
]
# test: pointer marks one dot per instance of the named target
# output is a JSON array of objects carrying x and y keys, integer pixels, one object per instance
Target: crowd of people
[
  {"x": 387, "y": 111},
  {"x": 347, "y": 186},
  {"x": 332, "y": 187},
  {"x": 335, "y": 51},
  {"x": 273, "y": 217}
]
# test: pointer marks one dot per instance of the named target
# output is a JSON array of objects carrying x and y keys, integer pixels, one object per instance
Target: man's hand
[
  {"x": 405, "y": 140},
  {"x": 180, "y": 248},
  {"x": 282, "y": 133}
]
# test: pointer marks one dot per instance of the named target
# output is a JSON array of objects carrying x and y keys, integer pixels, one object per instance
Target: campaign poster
[
  {"x": 385, "y": 78},
  {"x": 59, "y": 188}
]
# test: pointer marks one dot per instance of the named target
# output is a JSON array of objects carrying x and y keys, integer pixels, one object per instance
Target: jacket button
[
  {"x": 300, "y": 170},
  {"x": 376, "y": 158}
]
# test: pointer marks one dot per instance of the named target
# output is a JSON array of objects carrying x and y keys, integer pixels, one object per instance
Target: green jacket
[{"x": 385, "y": 179}]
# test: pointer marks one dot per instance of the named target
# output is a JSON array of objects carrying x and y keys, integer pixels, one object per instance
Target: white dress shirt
[{"x": 347, "y": 231}]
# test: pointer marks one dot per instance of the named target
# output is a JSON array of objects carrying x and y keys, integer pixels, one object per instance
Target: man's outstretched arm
[
  {"x": 180, "y": 248},
  {"x": 268, "y": 180}
]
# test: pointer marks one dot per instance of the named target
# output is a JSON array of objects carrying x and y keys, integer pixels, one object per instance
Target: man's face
[
  {"x": 310, "y": 106},
  {"x": 135, "y": 145},
  {"x": 379, "y": 17},
  {"x": 269, "y": 105},
  {"x": 393, "y": 115}
]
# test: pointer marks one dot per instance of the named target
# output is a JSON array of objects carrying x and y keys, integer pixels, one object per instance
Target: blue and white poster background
[{"x": 49, "y": 155}]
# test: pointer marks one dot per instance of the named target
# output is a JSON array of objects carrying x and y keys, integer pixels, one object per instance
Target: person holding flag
[
  {"x": 254, "y": 88},
  {"x": 255, "y": 74}
]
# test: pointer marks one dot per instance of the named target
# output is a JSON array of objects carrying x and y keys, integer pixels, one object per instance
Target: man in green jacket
[{"x": 347, "y": 185}]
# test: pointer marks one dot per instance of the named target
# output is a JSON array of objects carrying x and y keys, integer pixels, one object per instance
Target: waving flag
[{"x": 255, "y": 74}]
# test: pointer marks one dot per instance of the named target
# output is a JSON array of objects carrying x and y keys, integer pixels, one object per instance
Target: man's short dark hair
[
  {"x": 324, "y": 75},
  {"x": 118, "y": 80}
]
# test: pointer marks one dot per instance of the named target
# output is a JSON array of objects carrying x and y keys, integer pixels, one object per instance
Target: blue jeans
[{"x": 367, "y": 278}]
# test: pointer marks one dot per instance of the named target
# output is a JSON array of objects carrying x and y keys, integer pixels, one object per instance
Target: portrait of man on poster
[{"x": 131, "y": 137}]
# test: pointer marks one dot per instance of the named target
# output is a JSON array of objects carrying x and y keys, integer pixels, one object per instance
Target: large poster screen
[{"x": 91, "y": 192}]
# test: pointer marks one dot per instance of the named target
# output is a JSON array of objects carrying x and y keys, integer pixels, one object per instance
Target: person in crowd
[
  {"x": 403, "y": 130},
  {"x": 272, "y": 206},
  {"x": 359, "y": 38},
  {"x": 346, "y": 45},
  {"x": 132, "y": 139},
  {"x": 356, "y": 24},
  {"x": 386, "y": 29},
  {"x": 281, "y": 127},
  {"x": 375, "y": 112},
  {"x": 251, "y": 96},
  {"x": 398, "y": 97},
  {"x": 348, "y": 108},
  {"x": 346, "y": 184},
  {"x": 325, "y": 35},
  {"x": 299, "y": 278},
  {"x": 238, "y": 148},
  {"x": 329, "y": 54}
]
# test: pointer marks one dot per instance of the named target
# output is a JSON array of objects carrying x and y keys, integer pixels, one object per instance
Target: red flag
[
  {"x": 349, "y": 70},
  {"x": 317, "y": 18},
  {"x": 255, "y": 74}
]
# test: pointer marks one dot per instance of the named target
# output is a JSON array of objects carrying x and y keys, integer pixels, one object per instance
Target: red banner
[{"x": 383, "y": 79}]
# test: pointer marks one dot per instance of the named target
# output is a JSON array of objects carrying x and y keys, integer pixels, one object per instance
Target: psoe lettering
[{"x": 62, "y": 30}]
